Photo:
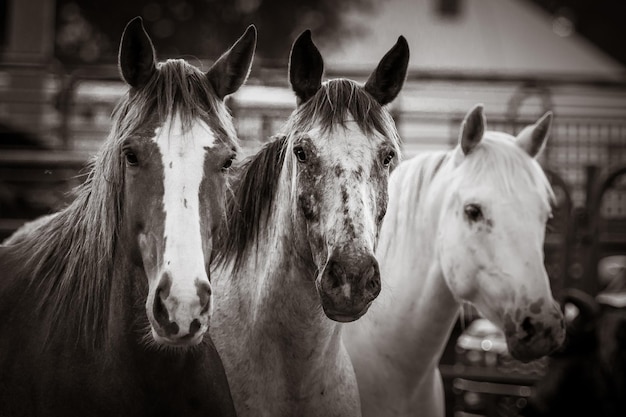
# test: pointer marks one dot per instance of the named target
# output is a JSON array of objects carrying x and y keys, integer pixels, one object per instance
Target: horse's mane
[
  {"x": 504, "y": 161},
  {"x": 69, "y": 258},
  {"x": 339, "y": 101},
  {"x": 496, "y": 156},
  {"x": 406, "y": 187},
  {"x": 248, "y": 208}
]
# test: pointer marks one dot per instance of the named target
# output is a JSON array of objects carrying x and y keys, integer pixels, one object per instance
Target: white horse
[{"x": 462, "y": 226}]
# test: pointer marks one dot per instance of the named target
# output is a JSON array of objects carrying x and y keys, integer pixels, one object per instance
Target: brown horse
[{"x": 105, "y": 305}]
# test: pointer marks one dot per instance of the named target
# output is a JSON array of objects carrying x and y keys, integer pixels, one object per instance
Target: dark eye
[
  {"x": 300, "y": 154},
  {"x": 473, "y": 212},
  {"x": 388, "y": 158},
  {"x": 131, "y": 158},
  {"x": 228, "y": 163}
]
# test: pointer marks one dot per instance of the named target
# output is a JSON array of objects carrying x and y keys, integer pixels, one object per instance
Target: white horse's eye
[{"x": 473, "y": 212}]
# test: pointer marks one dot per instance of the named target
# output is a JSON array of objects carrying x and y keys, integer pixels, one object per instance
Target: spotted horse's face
[{"x": 341, "y": 172}]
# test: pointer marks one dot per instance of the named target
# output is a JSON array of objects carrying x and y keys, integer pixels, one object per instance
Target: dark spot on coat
[
  {"x": 171, "y": 164},
  {"x": 358, "y": 173},
  {"x": 307, "y": 205},
  {"x": 350, "y": 230},
  {"x": 535, "y": 307},
  {"x": 338, "y": 170},
  {"x": 344, "y": 195},
  {"x": 185, "y": 202}
]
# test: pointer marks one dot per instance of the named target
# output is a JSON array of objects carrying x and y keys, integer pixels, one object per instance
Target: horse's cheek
[
  {"x": 453, "y": 263},
  {"x": 308, "y": 207}
]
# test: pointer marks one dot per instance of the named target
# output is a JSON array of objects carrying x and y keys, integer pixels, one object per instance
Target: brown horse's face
[
  {"x": 341, "y": 197},
  {"x": 174, "y": 189},
  {"x": 176, "y": 164}
]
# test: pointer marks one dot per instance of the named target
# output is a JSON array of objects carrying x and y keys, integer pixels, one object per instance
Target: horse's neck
[
  {"x": 127, "y": 316},
  {"x": 276, "y": 286},
  {"x": 414, "y": 314}
]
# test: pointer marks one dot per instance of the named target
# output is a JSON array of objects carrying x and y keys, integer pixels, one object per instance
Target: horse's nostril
[
  {"x": 159, "y": 310},
  {"x": 529, "y": 328},
  {"x": 203, "y": 288},
  {"x": 336, "y": 274},
  {"x": 194, "y": 327},
  {"x": 372, "y": 277},
  {"x": 373, "y": 284}
]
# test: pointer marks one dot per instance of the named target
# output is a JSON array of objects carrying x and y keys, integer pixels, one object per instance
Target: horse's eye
[
  {"x": 473, "y": 212},
  {"x": 228, "y": 163},
  {"x": 131, "y": 158},
  {"x": 300, "y": 154},
  {"x": 388, "y": 158}
]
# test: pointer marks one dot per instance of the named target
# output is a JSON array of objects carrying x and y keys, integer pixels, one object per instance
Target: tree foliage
[{"x": 89, "y": 31}]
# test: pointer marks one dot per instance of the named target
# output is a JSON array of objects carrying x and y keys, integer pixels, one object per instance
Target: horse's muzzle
[
  {"x": 348, "y": 285},
  {"x": 535, "y": 337},
  {"x": 179, "y": 319}
]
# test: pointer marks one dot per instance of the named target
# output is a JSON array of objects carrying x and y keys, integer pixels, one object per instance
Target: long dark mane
[
  {"x": 68, "y": 260},
  {"x": 248, "y": 208}
]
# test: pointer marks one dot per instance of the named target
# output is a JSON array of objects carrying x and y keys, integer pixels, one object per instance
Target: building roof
[{"x": 486, "y": 36}]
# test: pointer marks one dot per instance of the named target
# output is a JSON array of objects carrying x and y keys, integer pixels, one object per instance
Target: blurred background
[{"x": 59, "y": 83}]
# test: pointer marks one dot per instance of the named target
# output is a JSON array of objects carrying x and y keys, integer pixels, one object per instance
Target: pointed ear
[
  {"x": 533, "y": 138},
  {"x": 231, "y": 70},
  {"x": 306, "y": 67},
  {"x": 136, "y": 58},
  {"x": 472, "y": 129},
  {"x": 387, "y": 80}
]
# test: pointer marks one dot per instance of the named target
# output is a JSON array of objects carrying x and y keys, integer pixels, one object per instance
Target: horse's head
[
  {"x": 177, "y": 142},
  {"x": 492, "y": 229},
  {"x": 341, "y": 146}
]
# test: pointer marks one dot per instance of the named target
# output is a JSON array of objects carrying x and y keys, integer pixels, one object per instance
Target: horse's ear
[
  {"x": 533, "y": 138},
  {"x": 136, "y": 60},
  {"x": 387, "y": 80},
  {"x": 231, "y": 70},
  {"x": 306, "y": 67},
  {"x": 472, "y": 129}
]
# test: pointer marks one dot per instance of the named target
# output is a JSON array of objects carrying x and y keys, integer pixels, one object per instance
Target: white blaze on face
[{"x": 183, "y": 167}]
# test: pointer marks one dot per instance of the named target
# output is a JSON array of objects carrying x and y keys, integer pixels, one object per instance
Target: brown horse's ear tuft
[
  {"x": 231, "y": 70},
  {"x": 472, "y": 129},
  {"x": 387, "y": 80},
  {"x": 136, "y": 60},
  {"x": 533, "y": 138},
  {"x": 306, "y": 67}
]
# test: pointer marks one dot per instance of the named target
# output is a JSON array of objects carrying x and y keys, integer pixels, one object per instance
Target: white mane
[{"x": 496, "y": 157}]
